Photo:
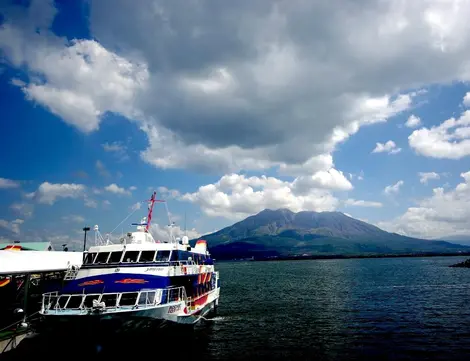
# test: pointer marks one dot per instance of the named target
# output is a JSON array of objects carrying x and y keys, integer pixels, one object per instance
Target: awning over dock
[
  {"x": 14, "y": 262},
  {"x": 27, "y": 246}
]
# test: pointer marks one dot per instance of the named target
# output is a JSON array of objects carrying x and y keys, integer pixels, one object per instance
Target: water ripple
[{"x": 361, "y": 309}]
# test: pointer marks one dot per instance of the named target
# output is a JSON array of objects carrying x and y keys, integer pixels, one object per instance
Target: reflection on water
[
  {"x": 363, "y": 309},
  {"x": 176, "y": 341}
]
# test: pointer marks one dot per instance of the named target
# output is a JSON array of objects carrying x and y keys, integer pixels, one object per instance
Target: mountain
[
  {"x": 461, "y": 239},
  {"x": 283, "y": 232}
]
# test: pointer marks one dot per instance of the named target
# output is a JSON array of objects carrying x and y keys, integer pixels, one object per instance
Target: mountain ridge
[
  {"x": 283, "y": 232},
  {"x": 459, "y": 239}
]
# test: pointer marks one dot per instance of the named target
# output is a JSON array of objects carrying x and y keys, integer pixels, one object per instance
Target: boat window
[
  {"x": 89, "y": 258},
  {"x": 147, "y": 256},
  {"x": 88, "y": 303},
  {"x": 150, "y": 298},
  {"x": 174, "y": 294},
  {"x": 131, "y": 256},
  {"x": 147, "y": 298},
  {"x": 115, "y": 257},
  {"x": 62, "y": 301},
  {"x": 75, "y": 301},
  {"x": 51, "y": 302},
  {"x": 128, "y": 299},
  {"x": 102, "y": 257},
  {"x": 163, "y": 256},
  {"x": 109, "y": 300}
]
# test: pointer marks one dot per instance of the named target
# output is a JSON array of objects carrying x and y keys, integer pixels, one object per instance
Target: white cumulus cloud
[
  {"x": 466, "y": 99},
  {"x": 114, "y": 188},
  {"x": 102, "y": 170},
  {"x": 23, "y": 209},
  {"x": 331, "y": 179},
  {"x": 389, "y": 147},
  {"x": 8, "y": 183},
  {"x": 413, "y": 121},
  {"x": 81, "y": 81},
  {"x": 49, "y": 193},
  {"x": 168, "y": 193},
  {"x": 394, "y": 188},
  {"x": 118, "y": 149},
  {"x": 136, "y": 206},
  {"x": 449, "y": 140},
  {"x": 424, "y": 177},
  {"x": 12, "y": 226},
  {"x": 162, "y": 233},
  {"x": 362, "y": 203},
  {"x": 236, "y": 196},
  {"x": 444, "y": 213}
]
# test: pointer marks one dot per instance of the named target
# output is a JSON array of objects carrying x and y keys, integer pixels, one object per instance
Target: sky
[{"x": 227, "y": 108}]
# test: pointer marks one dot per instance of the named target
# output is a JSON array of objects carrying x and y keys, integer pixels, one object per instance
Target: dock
[{"x": 24, "y": 275}]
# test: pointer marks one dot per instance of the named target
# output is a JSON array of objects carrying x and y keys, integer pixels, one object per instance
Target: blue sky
[{"x": 230, "y": 110}]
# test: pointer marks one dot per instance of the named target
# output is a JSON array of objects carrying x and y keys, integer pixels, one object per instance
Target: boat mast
[{"x": 152, "y": 201}]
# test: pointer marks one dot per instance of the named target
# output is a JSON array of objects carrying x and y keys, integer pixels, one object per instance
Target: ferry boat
[{"x": 137, "y": 279}]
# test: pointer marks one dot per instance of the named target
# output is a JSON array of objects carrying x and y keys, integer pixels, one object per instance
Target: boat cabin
[{"x": 138, "y": 254}]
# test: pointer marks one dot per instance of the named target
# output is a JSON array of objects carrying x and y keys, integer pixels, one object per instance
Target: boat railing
[
  {"x": 190, "y": 267},
  {"x": 174, "y": 266},
  {"x": 53, "y": 302},
  {"x": 182, "y": 263}
]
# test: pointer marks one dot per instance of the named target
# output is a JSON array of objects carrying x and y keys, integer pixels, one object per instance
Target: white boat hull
[{"x": 163, "y": 315}]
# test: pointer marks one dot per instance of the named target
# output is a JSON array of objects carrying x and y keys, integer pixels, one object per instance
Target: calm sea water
[{"x": 396, "y": 309}]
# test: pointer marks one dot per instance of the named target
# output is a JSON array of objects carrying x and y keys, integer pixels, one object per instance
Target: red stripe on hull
[{"x": 200, "y": 301}]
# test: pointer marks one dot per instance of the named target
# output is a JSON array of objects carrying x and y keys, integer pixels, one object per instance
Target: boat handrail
[
  {"x": 182, "y": 263},
  {"x": 146, "y": 298}
]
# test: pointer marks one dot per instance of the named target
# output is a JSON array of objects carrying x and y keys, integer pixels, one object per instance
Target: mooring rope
[
  {"x": 15, "y": 323},
  {"x": 15, "y": 334}
]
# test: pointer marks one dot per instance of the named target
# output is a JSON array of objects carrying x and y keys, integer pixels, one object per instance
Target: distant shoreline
[{"x": 320, "y": 257}]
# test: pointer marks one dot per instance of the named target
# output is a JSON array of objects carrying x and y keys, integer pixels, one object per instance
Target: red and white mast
[{"x": 151, "y": 201}]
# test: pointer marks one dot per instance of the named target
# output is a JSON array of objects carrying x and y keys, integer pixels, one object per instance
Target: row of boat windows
[
  {"x": 80, "y": 301},
  {"x": 148, "y": 298},
  {"x": 142, "y": 257},
  {"x": 127, "y": 257}
]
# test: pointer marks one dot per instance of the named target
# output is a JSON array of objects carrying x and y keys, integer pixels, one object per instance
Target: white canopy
[{"x": 15, "y": 262}]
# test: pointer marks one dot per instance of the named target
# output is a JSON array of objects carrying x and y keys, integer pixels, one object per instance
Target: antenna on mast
[
  {"x": 185, "y": 230},
  {"x": 99, "y": 241}
]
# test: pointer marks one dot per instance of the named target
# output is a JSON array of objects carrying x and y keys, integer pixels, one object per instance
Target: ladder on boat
[{"x": 71, "y": 273}]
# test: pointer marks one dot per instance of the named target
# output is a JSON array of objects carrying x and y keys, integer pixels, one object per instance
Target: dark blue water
[
  {"x": 364, "y": 309},
  {"x": 405, "y": 308}
]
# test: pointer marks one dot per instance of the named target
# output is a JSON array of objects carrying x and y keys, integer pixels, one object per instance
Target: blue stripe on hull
[{"x": 117, "y": 282}]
